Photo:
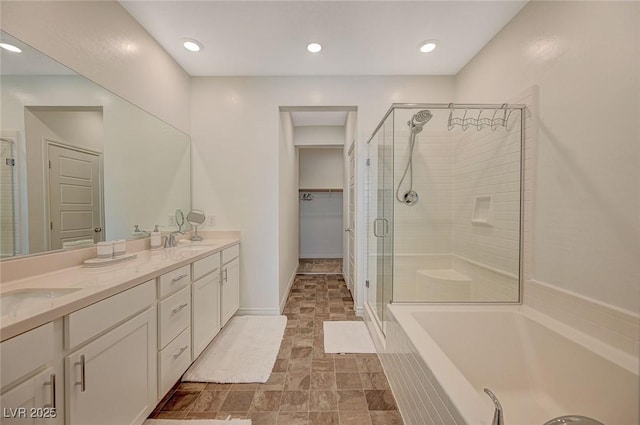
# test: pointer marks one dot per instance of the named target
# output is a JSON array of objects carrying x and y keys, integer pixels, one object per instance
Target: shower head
[{"x": 419, "y": 119}]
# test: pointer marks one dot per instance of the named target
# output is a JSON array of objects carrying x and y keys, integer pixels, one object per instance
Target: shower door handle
[{"x": 385, "y": 227}]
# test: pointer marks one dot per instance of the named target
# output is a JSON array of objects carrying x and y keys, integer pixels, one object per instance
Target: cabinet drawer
[
  {"x": 174, "y": 315},
  {"x": 205, "y": 266},
  {"x": 97, "y": 318},
  {"x": 174, "y": 360},
  {"x": 174, "y": 280},
  {"x": 230, "y": 253},
  {"x": 26, "y": 352}
]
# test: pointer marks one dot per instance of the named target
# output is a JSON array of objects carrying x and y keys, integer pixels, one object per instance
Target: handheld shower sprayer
[
  {"x": 416, "y": 124},
  {"x": 419, "y": 119}
]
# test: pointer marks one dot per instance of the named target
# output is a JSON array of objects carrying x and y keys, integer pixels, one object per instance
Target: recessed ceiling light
[
  {"x": 428, "y": 46},
  {"x": 314, "y": 47},
  {"x": 192, "y": 45},
  {"x": 10, "y": 47}
]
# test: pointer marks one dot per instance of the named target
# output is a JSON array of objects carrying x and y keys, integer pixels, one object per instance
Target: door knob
[
  {"x": 348, "y": 229},
  {"x": 98, "y": 229}
]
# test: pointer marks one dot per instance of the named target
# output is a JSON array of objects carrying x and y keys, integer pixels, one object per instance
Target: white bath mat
[
  {"x": 244, "y": 351},
  {"x": 347, "y": 337},
  {"x": 197, "y": 422}
]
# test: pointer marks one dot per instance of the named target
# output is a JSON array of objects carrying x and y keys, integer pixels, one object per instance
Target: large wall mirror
[{"x": 80, "y": 164}]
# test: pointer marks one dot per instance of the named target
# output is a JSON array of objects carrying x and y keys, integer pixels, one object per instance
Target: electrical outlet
[
  {"x": 172, "y": 221},
  {"x": 211, "y": 220}
]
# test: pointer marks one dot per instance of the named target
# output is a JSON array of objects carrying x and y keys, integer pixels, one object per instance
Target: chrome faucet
[
  {"x": 170, "y": 241},
  {"x": 498, "y": 418}
]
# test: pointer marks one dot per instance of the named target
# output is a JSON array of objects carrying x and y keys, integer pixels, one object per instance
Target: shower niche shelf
[{"x": 482, "y": 211}]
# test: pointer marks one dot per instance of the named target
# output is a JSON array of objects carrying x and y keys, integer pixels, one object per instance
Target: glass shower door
[{"x": 380, "y": 221}]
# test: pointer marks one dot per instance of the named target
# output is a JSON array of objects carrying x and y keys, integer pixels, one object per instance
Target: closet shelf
[{"x": 320, "y": 190}]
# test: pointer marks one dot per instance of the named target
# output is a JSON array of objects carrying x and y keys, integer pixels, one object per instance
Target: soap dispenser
[{"x": 156, "y": 238}]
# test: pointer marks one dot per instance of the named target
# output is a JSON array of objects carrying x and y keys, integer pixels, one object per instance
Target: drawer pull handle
[
  {"x": 179, "y": 353},
  {"x": 83, "y": 381},
  {"x": 224, "y": 278},
  {"x": 180, "y": 307},
  {"x": 52, "y": 383},
  {"x": 177, "y": 278}
]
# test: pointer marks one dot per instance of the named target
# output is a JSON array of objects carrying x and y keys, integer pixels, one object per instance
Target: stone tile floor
[
  {"x": 320, "y": 265},
  {"x": 307, "y": 386}
]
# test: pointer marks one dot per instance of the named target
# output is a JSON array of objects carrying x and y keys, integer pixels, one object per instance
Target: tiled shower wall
[
  {"x": 487, "y": 165},
  {"x": 426, "y": 227},
  {"x": 450, "y": 170}
]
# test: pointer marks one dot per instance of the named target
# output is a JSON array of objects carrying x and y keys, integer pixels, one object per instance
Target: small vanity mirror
[
  {"x": 196, "y": 218},
  {"x": 179, "y": 219}
]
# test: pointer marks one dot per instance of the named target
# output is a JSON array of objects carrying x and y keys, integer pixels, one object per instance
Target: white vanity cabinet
[
  {"x": 205, "y": 293},
  {"x": 113, "y": 378},
  {"x": 174, "y": 327},
  {"x": 112, "y": 361},
  {"x": 229, "y": 283},
  {"x": 29, "y": 377},
  {"x": 32, "y": 402}
]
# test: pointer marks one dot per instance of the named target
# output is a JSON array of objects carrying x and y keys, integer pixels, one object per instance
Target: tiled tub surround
[
  {"x": 439, "y": 359},
  {"x": 96, "y": 284},
  {"x": 307, "y": 386}
]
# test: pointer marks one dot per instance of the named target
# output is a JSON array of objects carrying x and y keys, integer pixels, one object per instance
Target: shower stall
[{"x": 444, "y": 206}]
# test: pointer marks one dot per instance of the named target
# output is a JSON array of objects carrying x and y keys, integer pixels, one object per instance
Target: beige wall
[
  {"x": 288, "y": 216},
  {"x": 322, "y": 168},
  {"x": 584, "y": 59},
  {"x": 236, "y": 168},
  {"x": 313, "y": 135},
  {"x": 101, "y": 41}
]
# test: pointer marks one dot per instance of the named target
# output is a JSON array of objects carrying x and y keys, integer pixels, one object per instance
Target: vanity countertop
[{"x": 98, "y": 283}]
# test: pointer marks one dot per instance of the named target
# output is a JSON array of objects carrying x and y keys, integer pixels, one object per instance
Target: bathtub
[{"x": 440, "y": 358}]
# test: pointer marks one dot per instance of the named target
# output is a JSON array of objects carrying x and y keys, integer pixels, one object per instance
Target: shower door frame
[{"x": 521, "y": 246}]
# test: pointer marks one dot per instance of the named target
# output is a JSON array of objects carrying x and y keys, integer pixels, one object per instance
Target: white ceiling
[
  {"x": 358, "y": 37},
  {"x": 318, "y": 118}
]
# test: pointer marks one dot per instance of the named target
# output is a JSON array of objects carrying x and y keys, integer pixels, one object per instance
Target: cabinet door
[
  {"x": 230, "y": 291},
  {"x": 206, "y": 312},
  {"x": 113, "y": 379},
  {"x": 33, "y": 402}
]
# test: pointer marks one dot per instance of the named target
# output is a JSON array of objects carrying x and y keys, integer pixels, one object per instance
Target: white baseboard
[
  {"x": 283, "y": 301},
  {"x": 258, "y": 312}
]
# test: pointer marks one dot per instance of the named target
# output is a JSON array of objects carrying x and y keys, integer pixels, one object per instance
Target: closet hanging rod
[{"x": 320, "y": 190}]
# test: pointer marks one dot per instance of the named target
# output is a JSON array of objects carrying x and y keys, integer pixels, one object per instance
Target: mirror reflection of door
[
  {"x": 75, "y": 199},
  {"x": 7, "y": 196}
]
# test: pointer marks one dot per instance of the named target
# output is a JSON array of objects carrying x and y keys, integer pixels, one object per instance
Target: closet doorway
[
  {"x": 321, "y": 205},
  {"x": 322, "y": 138}
]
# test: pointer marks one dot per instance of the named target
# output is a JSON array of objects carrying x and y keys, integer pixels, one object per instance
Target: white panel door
[
  {"x": 230, "y": 290},
  {"x": 7, "y": 198},
  {"x": 113, "y": 379},
  {"x": 75, "y": 200},
  {"x": 351, "y": 219}
]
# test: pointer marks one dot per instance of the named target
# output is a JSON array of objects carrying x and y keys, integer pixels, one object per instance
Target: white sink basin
[{"x": 11, "y": 302}]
